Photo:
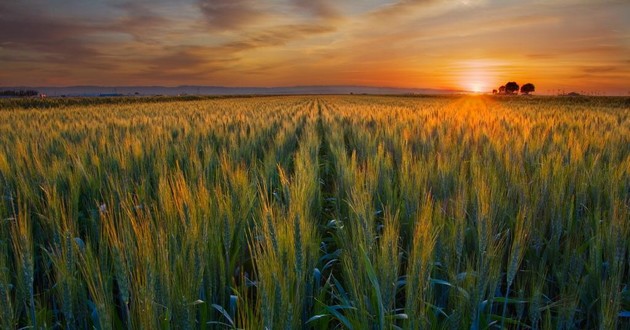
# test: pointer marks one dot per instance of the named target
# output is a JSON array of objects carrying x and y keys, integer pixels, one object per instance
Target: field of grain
[{"x": 322, "y": 212}]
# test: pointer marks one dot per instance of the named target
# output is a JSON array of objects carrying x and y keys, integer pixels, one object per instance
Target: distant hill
[{"x": 218, "y": 90}]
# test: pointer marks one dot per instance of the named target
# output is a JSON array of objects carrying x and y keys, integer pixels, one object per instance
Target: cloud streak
[
  {"x": 231, "y": 14},
  {"x": 323, "y": 9},
  {"x": 31, "y": 30},
  {"x": 276, "y": 36}
]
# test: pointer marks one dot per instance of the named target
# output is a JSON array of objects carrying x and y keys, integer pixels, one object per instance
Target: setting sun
[{"x": 477, "y": 88}]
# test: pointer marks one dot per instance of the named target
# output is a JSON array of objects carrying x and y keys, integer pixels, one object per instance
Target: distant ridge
[{"x": 220, "y": 90}]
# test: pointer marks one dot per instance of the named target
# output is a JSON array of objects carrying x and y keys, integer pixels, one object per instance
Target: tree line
[
  {"x": 19, "y": 93},
  {"x": 512, "y": 88}
]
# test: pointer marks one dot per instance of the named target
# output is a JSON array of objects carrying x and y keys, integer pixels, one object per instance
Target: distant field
[{"x": 360, "y": 212}]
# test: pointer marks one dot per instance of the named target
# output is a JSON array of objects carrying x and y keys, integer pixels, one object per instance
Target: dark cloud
[
  {"x": 592, "y": 77},
  {"x": 139, "y": 20},
  {"x": 171, "y": 77},
  {"x": 601, "y": 69},
  {"x": 184, "y": 65},
  {"x": 192, "y": 63},
  {"x": 231, "y": 14},
  {"x": 237, "y": 14},
  {"x": 57, "y": 39},
  {"x": 319, "y": 8},
  {"x": 608, "y": 50},
  {"x": 184, "y": 58},
  {"x": 276, "y": 36},
  {"x": 24, "y": 28},
  {"x": 399, "y": 8},
  {"x": 188, "y": 58}
]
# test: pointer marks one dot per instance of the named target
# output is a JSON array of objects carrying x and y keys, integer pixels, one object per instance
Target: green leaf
[
  {"x": 375, "y": 287},
  {"x": 442, "y": 282},
  {"x": 344, "y": 320},
  {"x": 507, "y": 320},
  {"x": 224, "y": 312},
  {"x": 317, "y": 317},
  {"x": 509, "y": 300}
]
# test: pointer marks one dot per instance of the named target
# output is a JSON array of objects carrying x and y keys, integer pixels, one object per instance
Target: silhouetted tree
[
  {"x": 511, "y": 87},
  {"x": 494, "y": 91},
  {"x": 528, "y": 88},
  {"x": 502, "y": 89}
]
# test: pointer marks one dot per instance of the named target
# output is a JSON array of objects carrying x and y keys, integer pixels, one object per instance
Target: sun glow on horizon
[
  {"x": 476, "y": 87},
  {"x": 476, "y": 75}
]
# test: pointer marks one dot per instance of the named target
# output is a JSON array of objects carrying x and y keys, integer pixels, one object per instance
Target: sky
[{"x": 476, "y": 45}]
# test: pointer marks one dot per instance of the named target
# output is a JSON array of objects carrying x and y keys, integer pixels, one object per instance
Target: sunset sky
[{"x": 576, "y": 45}]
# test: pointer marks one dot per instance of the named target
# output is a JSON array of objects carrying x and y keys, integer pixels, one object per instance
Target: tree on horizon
[
  {"x": 528, "y": 88},
  {"x": 511, "y": 87}
]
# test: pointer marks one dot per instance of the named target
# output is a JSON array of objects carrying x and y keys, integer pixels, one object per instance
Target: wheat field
[{"x": 315, "y": 212}]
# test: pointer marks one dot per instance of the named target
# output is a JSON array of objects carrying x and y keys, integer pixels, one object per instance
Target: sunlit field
[{"x": 316, "y": 212}]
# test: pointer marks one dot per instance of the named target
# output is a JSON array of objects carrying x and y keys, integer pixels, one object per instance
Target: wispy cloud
[
  {"x": 399, "y": 8},
  {"x": 278, "y": 35},
  {"x": 323, "y": 9},
  {"x": 232, "y": 14},
  {"x": 23, "y": 28},
  {"x": 138, "y": 19}
]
